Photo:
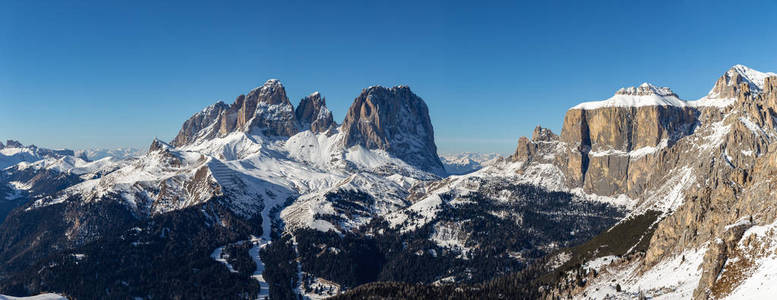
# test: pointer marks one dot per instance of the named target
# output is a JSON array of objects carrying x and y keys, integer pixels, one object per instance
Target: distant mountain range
[{"x": 643, "y": 194}]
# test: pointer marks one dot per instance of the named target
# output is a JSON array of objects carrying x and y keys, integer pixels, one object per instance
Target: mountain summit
[
  {"x": 646, "y": 89},
  {"x": 265, "y": 110},
  {"x": 313, "y": 114},
  {"x": 395, "y": 120},
  {"x": 728, "y": 84}
]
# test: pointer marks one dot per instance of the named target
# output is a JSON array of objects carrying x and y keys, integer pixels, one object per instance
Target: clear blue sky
[{"x": 96, "y": 74}]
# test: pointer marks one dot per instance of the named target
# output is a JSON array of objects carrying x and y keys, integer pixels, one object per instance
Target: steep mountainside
[
  {"x": 313, "y": 114},
  {"x": 232, "y": 167},
  {"x": 696, "y": 176},
  {"x": 468, "y": 162},
  {"x": 394, "y": 120},
  {"x": 641, "y": 194},
  {"x": 30, "y": 172}
]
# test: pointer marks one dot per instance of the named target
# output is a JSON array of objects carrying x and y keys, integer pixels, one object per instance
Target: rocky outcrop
[
  {"x": 604, "y": 140},
  {"x": 394, "y": 120},
  {"x": 206, "y": 118},
  {"x": 265, "y": 110},
  {"x": 13, "y": 144},
  {"x": 157, "y": 145},
  {"x": 543, "y": 143},
  {"x": 728, "y": 85},
  {"x": 313, "y": 114},
  {"x": 709, "y": 166},
  {"x": 268, "y": 110}
]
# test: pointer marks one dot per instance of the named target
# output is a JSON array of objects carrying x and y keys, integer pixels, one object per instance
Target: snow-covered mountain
[
  {"x": 467, "y": 162},
  {"x": 14, "y": 152},
  {"x": 643, "y": 193},
  {"x": 30, "y": 172},
  {"x": 695, "y": 178},
  {"x": 251, "y": 158},
  {"x": 115, "y": 153}
]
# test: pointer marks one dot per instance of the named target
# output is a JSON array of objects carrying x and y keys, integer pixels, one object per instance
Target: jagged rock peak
[
  {"x": 313, "y": 114},
  {"x": 198, "y": 122},
  {"x": 264, "y": 110},
  {"x": 395, "y": 120},
  {"x": 541, "y": 134},
  {"x": 13, "y": 144},
  {"x": 158, "y": 145},
  {"x": 646, "y": 89},
  {"x": 271, "y": 92},
  {"x": 728, "y": 84},
  {"x": 530, "y": 150}
]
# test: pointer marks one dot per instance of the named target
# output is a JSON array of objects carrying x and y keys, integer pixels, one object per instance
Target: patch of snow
[
  {"x": 671, "y": 195},
  {"x": 599, "y": 262},
  {"x": 759, "y": 281},
  {"x": 259, "y": 243},
  {"x": 634, "y": 154},
  {"x": 655, "y": 283},
  {"x": 756, "y": 78},
  {"x": 716, "y": 137},
  {"x": 219, "y": 256},
  {"x": 752, "y": 126},
  {"x": 712, "y": 101},
  {"x": 48, "y": 296},
  {"x": 426, "y": 209},
  {"x": 633, "y": 101}
]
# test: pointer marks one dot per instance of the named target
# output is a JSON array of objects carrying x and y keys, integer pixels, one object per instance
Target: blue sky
[{"x": 82, "y": 74}]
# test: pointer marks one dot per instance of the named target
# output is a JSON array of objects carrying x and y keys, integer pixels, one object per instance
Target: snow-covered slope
[
  {"x": 254, "y": 171},
  {"x": 644, "y": 95},
  {"x": 115, "y": 153},
  {"x": 722, "y": 94},
  {"x": 463, "y": 163}
]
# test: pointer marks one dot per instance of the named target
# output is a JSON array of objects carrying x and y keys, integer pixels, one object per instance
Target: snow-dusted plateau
[{"x": 644, "y": 194}]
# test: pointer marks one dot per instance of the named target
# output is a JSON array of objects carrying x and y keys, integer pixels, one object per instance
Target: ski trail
[{"x": 230, "y": 176}]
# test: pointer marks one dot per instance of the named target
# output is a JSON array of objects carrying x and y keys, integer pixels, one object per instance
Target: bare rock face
[
  {"x": 157, "y": 145},
  {"x": 265, "y": 110},
  {"x": 13, "y": 144},
  {"x": 268, "y": 110},
  {"x": 313, "y": 114},
  {"x": 199, "y": 121},
  {"x": 543, "y": 142},
  {"x": 394, "y": 120},
  {"x": 709, "y": 166},
  {"x": 603, "y": 141},
  {"x": 728, "y": 85}
]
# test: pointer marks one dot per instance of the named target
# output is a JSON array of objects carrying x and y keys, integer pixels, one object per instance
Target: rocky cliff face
[
  {"x": 265, "y": 110},
  {"x": 728, "y": 85},
  {"x": 604, "y": 142},
  {"x": 313, "y": 114},
  {"x": 13, "y": 144},
  {"x": 542, "y": 143},
  {"x": 708, "y": 165},
  {"x": 605, "y": 147},
  {"x": 206, "y": 118},
  {"x": 394, "y": 120}
]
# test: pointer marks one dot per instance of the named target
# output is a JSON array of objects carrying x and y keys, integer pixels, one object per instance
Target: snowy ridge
[
  {"x": 115, "y": 153},
  {"x": 753, "y": 77},
  {"x": 388, "y": 193},
  {"x": 644, "y": 95},
  {"x": 647, "y": 94},
  {"x": 463, "y": 163}
]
